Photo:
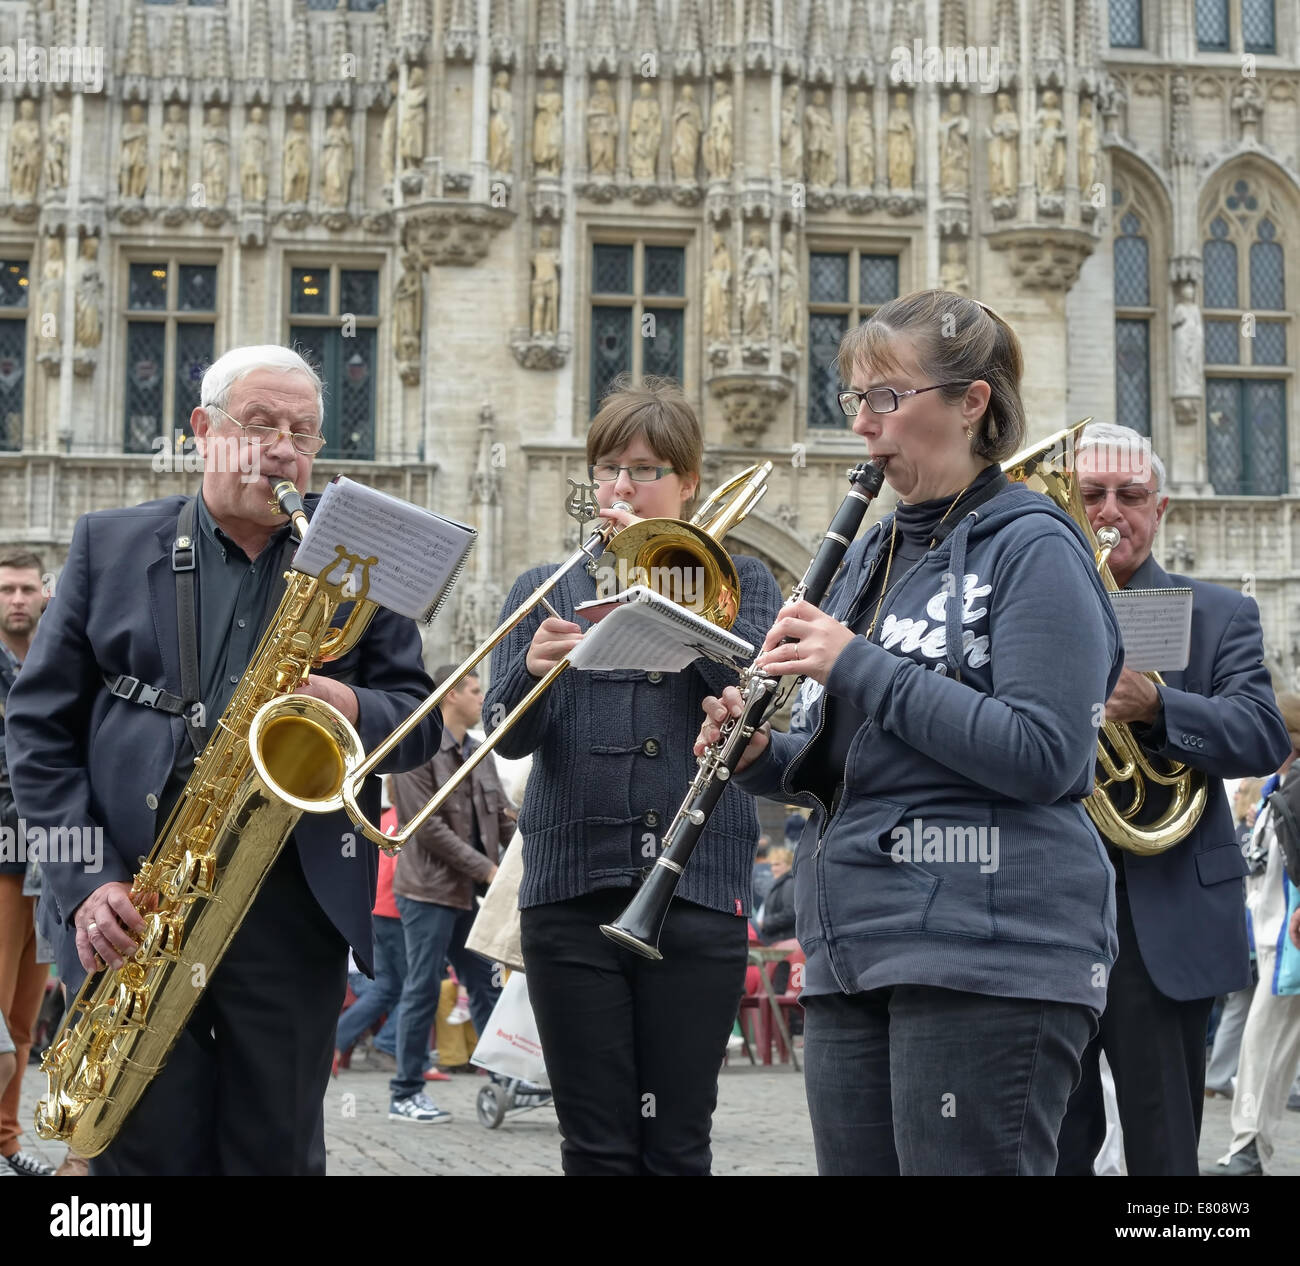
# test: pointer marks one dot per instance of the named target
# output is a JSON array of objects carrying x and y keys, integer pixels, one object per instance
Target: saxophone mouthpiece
[{"x": 288, "y": 500}]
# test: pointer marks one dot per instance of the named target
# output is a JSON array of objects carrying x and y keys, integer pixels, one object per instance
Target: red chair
[{"x": 756, "y": 1006}]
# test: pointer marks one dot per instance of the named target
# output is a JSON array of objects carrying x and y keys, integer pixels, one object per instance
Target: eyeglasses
[
  {"x": 607, "y": 472},
  {"x": 1131, "y": 495},
  {"x": 264, "y": 436},
  {"x": 885, "y": 399}
]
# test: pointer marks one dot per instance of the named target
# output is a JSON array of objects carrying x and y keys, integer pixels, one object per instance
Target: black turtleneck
[{"x": 920, "y": 527}]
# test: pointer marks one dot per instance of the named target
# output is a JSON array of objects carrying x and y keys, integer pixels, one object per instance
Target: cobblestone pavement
[{"x": 760, "y": 1127}]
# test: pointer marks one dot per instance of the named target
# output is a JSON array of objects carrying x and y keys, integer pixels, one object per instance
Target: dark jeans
[
  {"x": 633, "y": 1047},
  {"x": 918, "y": 1080},
  {"x": 1156, "y": 1051},
  {"x": 382, "y": 994},
  {"x": 243, "y": 1089},
  {"x": 434, "y": 934}
]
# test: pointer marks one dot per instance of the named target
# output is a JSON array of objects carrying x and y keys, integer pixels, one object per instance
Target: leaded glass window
[
  {"x": 1126, "y": 23},
  {"x": 1220, "y": 262},
  {"x": 1221, "y": 342},
  {"x": 171, "y": 309},
  {"x": 1133, "y": 374},
  {"x": 1212, "y": 25},
  {"x": 844, "y": 289},
  {"x": 1267, "y": 285},
  {"x": 1258, "y": 34},
  {"x": 611, "y": 348},
  {"x": 638, "y": 326},
  {"x": 15, "y": 284},
  {"x": 1269, "y": 344},
  {"x": 13, "y": 363},
  {"x": 1132, "y": 270},
  {"x": 341, "y": 351},
  {"x": 1247, "y": 436}
]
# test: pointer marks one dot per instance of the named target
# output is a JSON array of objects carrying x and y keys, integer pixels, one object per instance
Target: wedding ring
[{"x": 91, "y": 926}]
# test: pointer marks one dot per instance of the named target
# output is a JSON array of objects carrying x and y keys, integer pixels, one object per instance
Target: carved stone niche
[
  {"x": 540, "y": 351},
  {"x": 451, "y": 233},
  {"x": 750, "y": 402},
  {"x": 1045, "y": 259}
]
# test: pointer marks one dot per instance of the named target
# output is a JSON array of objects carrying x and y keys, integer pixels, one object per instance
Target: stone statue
[
  {"x": 646, "y": 132},
  {"x": 1004, "y": 149},
  {"x": 410, "y": 141},
  {"x": 819, "y": 141},
  {"x": 756, "y": 302},
  {"x": 545, "y": 288},
  {"x": 388, "y": 137},
  {"x": 337, "y": 163},
  {"x": 253, "y": 151},
  {"x": 902, "y": 143},
  {"x": 501, "y": 144},
  {"x": 90, "y": 296},
  {"x": 789, "y": 293},
  {"x": 953, "y": 275},
  {"x": 408, "y": 310},
  {"x": 174, "y": 160},
  {"x": 1189, "y": 343},
  {"x": 688, "y": 122},
  {"x": 1088, "y": 155},
  {"x": 1049, "y": 152},
  {"x": 132, "y": 162},
  {"x": 24, "y": 152},
  {"x": 297, "y": 159},
  {"x": 51, "y": 300},
  {"x": 216, "y": 158},
  {"x": 717, "y": 143},
  {"x": 548, "y": 135},
  {"x": 791, "y": 135},
  {"x": 602, "y": 129},
  {"x": 717, "y": 293},
  {"x": 862, "y": 143},
  {"x": 56, "y": 151},
  {"x": 954, "y": 147}
]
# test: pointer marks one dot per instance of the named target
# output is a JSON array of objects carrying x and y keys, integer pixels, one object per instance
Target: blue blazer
[
  {"x": 1220, "y": 716},
  {"x": 79, "y": 756}
]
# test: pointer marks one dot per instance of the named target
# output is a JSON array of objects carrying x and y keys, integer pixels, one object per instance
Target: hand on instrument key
[
  {"x": 104, "y": 922},
  {"x": 818, "y": 640},
  {"x": 717, "y": 711}
]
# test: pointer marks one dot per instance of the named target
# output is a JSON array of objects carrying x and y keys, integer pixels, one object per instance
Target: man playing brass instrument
[
  {"x": 1181, "y": 914},
  {"x": 102, "y": 736}
]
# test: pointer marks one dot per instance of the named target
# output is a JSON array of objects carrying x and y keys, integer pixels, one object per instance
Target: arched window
[
  {"x": 1133, "y": 316},
  {"x": 1248, "y": 334}
]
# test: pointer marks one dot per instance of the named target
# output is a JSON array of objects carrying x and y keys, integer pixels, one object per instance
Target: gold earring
[{"x": 968, "y": 432}]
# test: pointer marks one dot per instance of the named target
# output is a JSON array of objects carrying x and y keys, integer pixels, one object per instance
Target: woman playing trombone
[
  {"x": 954, "y": 901},
  {"x": 632, "y": 1046}
]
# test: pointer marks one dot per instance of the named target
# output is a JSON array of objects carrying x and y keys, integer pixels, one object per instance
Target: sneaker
[
  {"x": 30, "y": 1166},
  {"x": 417, "y": 1108},
  {"x": 1241, "y": 1164}
]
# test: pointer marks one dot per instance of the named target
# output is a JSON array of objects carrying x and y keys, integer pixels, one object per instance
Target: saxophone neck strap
[{"x": 184, "y": 557}]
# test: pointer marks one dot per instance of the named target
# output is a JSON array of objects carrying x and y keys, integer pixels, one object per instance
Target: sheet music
[
  {"x": 417, "y": 554},
  {"x": 650, "y": 633},
  {"x": 1157, "y": 628}
]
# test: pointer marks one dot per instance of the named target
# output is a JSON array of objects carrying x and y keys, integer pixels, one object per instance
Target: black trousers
[
  {"x": 1156, "y": 1051},
  {"x": 243, "y": 1089},
  {"x": 633, "y": 1047}
]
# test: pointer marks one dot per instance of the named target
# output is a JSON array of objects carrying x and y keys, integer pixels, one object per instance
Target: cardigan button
[
  {"x": 654, "y": 678},
  {"x": 650, "y": 817},
  {"x": 650, "y": 747}
]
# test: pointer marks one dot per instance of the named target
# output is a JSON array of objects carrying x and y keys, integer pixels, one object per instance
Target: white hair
[
  {"x": 1123, "y": 439},
  {"x": 239, "y": 362}
]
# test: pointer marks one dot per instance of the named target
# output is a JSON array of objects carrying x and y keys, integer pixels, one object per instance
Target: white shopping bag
[{"x": 511, "y": 1047}]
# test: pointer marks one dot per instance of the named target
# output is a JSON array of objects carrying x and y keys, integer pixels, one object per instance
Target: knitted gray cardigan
[{"x": 613, "y": 759}]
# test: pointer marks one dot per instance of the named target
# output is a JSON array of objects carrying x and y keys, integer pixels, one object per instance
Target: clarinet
[{"x": 641, "y": 922}]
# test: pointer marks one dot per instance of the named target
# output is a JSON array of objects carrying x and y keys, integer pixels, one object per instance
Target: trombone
[{"x": 645, "y": 547}]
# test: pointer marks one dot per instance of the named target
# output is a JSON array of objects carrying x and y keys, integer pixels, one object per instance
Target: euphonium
[
  {"x": 257, "y": 774},
  {"x": 644, "y": 548},
  {"x": 1049, "y": 468}
]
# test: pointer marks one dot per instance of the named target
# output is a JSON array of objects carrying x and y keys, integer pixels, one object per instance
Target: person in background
[
  {"x": 763, "y": 877},
  {"x": 22, "y": 977},
  {"x": 777, "y": 920}
]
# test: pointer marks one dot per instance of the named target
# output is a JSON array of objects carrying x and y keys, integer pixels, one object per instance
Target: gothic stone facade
[{"x": 473, "y": 213}]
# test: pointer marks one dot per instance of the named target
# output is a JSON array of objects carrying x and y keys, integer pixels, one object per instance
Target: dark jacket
[
  {"x": 8, "y": 810},
  {"x": 999, "y": 759},
  {"x": 614, "y": 761},
  {"x": 440, "y": 863},
  {"x": 80, "y": 756},
  {"x": 1220, "y": 716},
  {"x": 778, "y": 910}
]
